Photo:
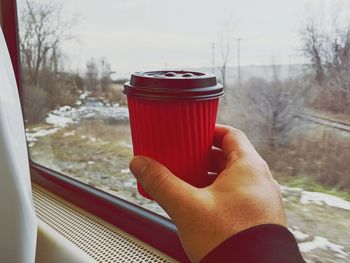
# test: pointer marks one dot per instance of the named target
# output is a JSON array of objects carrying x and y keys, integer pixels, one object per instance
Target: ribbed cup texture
[{"x": 178, "y": 134}]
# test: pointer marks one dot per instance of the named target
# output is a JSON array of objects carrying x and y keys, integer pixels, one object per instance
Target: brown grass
[{"x": 320, "y": 155}]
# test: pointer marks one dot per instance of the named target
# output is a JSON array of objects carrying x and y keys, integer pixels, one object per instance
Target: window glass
[{"x": 284, "y": 66}]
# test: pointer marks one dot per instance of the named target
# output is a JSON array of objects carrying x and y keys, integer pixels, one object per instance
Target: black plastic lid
[{"x": 173, "y": 85}]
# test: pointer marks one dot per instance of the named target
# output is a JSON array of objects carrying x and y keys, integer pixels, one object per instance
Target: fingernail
[{"x": 138, "y": 165}]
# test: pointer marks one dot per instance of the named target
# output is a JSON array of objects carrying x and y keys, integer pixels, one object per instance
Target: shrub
[
  {"x": 322, "y": 155},
  {"x": 36, "y": 104}
]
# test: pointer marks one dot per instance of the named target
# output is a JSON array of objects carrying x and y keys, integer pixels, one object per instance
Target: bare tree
[
  {"x": 98, "y": 74},
  {"x": 328, "y": 49},
  {"x": 224, "y": 54},
  {"x": 313, "y": 46},
  {"x": 105, "y": 74},
  {"x": 91, "y": 75},
  {"x": 272, "y": 106},
  {"x": 41, "y": 30},
  {"x": 225, "y": 48},
  {"x": 46, "y": 86}
]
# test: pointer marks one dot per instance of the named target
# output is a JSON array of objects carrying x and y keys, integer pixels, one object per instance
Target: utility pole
[
  {"x": 289, "y": 64},
  {"x": 212, "y": 56},
  {"x": 238, "y": 60}
]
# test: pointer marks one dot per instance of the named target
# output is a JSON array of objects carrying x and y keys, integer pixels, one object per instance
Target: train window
[{"x": 284, "y": 66}]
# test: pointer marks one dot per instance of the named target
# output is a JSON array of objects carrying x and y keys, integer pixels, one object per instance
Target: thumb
[{"x": 166, "y": 189}]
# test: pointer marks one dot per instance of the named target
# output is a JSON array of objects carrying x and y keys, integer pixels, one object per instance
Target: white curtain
[{"x": 18, "y": 226}]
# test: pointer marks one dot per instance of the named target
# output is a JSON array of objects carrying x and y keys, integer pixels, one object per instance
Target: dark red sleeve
[{"x": 259, "y": 244}]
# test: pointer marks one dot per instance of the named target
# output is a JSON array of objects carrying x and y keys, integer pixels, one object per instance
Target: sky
[{"x": 136, "y": 35}]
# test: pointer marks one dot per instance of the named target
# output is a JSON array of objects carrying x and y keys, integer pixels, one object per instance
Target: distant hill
[{"x": 262, "y": 71}]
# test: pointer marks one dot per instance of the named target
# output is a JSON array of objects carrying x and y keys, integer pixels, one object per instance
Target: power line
[{"x": 238, "y": 59}]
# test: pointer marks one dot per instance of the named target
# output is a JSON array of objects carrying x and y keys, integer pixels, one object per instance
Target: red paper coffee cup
[{"x": 172, "y": 120}]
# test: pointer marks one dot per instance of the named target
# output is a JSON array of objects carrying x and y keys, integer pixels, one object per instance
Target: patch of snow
[
  {"x": 300, "y": 236},
  {"x": 32, "y": 137},
  {"x": 90, "y": 108},
  {"x": 128, "y": 184},
  {"x": 323, "y": 243},
  {"x": 58, "y": 121},
  {"x": 87, "y": 109},
  {"x": 65, "y": 108},
  {"x": 125, "y": 171},
  {"x": 322, "y": 198},
  {"x": 89, "y": 115},
  {"x": 92, "y": 139},
  {"x": 84, "y": 95},
  {"x": 99, "y": 110},
  {"x": 83, "y": 137},
  {"x": 124, "y": 144},
  {"x": 290, "y": 189},
  {"x": 307, "y": 197},
  {"x": 91, "y": 162},
  {"x": 71, "y": 133}
]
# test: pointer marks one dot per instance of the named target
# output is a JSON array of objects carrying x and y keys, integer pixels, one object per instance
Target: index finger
[{"x": 232, "y": 141}]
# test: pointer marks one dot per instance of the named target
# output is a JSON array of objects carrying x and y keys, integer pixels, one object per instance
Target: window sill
[
  {"x": 153, "y": 229},
  {"x": 69, "y": 234}
]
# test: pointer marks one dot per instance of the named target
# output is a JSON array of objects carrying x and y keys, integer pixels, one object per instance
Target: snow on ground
[
  {"x": 58, "y": 121},
  {"x": 323, "y": 243},
  {"x": 32, "y": 136},
  {"x": 299, "y": 236},
  {"x": 71, "y": 133},
  {"x": 84, "y": 95},
  {"x": 91, "y": 108},
  {"x": 66, "y": 115},
  {"x": 290, "y": 189},
  {"x": 125, "y": 144},
  {"x": 129, "y": 184},
  {"x": 307, "y": 197},
  {"x": 92, "y": 139},
  {"x": 321, "y": 198},
  {"x": 101, "y": 111}
]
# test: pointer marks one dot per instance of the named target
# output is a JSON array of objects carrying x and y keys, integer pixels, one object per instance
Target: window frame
[{"x": 145, "y": 225}]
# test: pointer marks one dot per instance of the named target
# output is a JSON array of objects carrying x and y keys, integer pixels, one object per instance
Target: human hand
[{"x": 243, "y": 195}]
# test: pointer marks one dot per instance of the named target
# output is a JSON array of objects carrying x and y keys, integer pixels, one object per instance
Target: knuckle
[
  {"x": 237, "y": 132},
  {"x": 261, "y": 166}
]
